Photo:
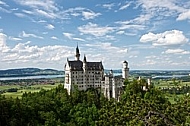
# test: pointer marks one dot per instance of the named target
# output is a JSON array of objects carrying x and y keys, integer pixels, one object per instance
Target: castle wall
[{"x": 79, "y": 74}]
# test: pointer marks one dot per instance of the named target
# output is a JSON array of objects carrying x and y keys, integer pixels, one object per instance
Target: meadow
[
  {"x": 172, "y": 84},
  {"x": 169, "y": 83},
  {"x": 27, "y": 89}
]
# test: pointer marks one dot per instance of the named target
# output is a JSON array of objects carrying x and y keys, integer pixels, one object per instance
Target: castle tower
[
  {"x": 111, "y": 73},
  {"x": 84, "y": 64},
  {"x": 125, "y": 70},
  {"x": 77, "y": 55},
  {"x": 113, "y": 88},
  {"x": 149, "y": 81},
  {"x": 85, "y": 81},
  {"x": 108, "y": 88}
]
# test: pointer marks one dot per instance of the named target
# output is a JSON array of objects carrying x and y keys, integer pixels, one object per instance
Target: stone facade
[
  {"x": 84, "y": 75},
  {"x": 112, "y": 85}
]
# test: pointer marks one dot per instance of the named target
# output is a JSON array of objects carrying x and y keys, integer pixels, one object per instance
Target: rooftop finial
[
  {"x": 77, "y": 53},
  {"x": 77, "y": 49}
]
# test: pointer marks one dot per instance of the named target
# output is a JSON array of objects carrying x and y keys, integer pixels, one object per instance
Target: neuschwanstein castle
[{"x": 86, "y": 75}]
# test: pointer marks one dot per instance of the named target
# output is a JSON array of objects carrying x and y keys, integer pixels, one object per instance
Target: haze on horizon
[{"x": 149, "y": 34}]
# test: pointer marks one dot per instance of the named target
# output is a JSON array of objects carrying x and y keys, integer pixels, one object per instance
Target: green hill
[{"x": 29, "y": 72}]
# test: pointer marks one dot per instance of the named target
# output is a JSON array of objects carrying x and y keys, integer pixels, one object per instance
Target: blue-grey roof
[{"x": 78, "y": 65}]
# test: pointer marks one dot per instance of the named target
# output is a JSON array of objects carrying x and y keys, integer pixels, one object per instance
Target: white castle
[{"x": 84, "y": 75}]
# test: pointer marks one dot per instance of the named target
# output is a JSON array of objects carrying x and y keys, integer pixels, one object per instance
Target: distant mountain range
[
  {"x": 36, "y": 71},
  {"x": 29, "y": 72}
]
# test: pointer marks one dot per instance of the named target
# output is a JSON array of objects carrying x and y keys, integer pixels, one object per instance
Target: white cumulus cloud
[
  {"x": 45, "y": 13},
  {"x": 120, "y": 32},
  {"x": 137, "y": 23},
  {"x": 125, "y": 6},
  {"x": 3, "y": 38},
  {"x": 21, "y": 15},
  {"x": 50, "y": 26},
  {"x": 55, "y": 38},
  {"x": 25, "y": 35},
  {"x": 89, "y": 15},
  {"x": 108, "y": 6},
  {"x": 25, "y": 55},
  {"x": 14, "y": 38},
  {"x": 185, "y": 15},
  {"x": 3, "y": 3},
  {"x": 68, "y": 35},
  {"x": 45, "y": 4},
  {"x": 176, "y": 51},
  {"x": 71, "y": 37},
  {"x": 78, "y": 39},
  {"x": 95, "y": 30},
  {"x": 3, "y": 45},
  {"x": 45, "y": 8},
  {"x": 173, "y": 37}
]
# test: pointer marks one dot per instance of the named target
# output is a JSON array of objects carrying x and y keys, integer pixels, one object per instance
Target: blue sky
[{"x": 149, "y": 34}]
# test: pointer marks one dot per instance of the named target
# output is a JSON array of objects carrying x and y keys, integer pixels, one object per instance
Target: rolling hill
[{"x": 29, "y": 72}]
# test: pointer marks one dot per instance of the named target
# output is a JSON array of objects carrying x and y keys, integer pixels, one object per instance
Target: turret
[
  {"x": 84, "y": 63},
  {"x": 125, "y": 70},
  {"x": 84, "y": 66},
  {"x": 77, "y": 55},
  {"x": 149, "y": 81},
  {"x": 111, "y": 73}
]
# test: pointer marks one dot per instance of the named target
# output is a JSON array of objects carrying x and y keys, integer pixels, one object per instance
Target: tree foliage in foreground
[{"x": 83, "y": 108}]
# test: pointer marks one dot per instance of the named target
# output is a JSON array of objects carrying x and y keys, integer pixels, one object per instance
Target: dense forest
[{"x": 84, "y": 108}]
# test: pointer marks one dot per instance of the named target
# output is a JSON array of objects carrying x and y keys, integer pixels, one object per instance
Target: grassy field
[
  {"x": 46, "y": 87},
  {"x": 173, "y": 98},
  {"x": 21, "y": 90},
  {"x": 5, "y": 87},
  {"x": 169, "y": 83}
]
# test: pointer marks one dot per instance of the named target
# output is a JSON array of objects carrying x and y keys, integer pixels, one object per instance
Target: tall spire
[
  {"x": 77, "y": 53},
  {"x": 84, "y": 60},
  {"x": 77, "y": 49}
]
